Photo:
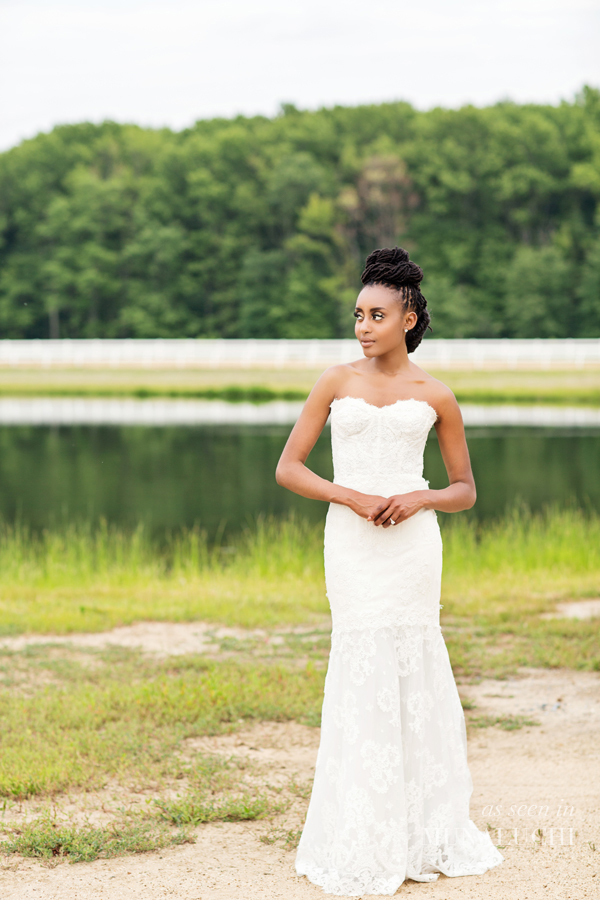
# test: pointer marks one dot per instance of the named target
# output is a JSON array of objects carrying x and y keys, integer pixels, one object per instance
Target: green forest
[{"x": 258, "y": 227}]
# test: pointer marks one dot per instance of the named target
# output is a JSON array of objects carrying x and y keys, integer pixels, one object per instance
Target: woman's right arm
[{"x": 292, "y": 472}]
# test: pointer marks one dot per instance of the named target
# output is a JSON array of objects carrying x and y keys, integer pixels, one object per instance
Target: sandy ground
[
  {"x": 540, "y": 785},
  {"x": 163, "y": 639},
  {"x": 160, "y": 639}
]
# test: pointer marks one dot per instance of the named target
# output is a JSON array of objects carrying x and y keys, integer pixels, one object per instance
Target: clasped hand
[{"x": 385, "y": 510}]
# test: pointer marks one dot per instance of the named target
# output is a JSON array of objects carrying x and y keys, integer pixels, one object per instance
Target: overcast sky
[{"x": 170, "y": 62}]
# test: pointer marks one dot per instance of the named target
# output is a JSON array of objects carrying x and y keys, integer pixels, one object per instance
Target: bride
[{"x": 390, "y": 799}]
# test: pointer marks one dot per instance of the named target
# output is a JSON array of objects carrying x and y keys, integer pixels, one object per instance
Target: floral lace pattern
[
  {"x": 392, "y": 786},
  {"x": 391, "y": 794}
]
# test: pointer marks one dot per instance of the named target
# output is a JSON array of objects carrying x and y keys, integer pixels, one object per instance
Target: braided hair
[{"x": 392, "y": 268}]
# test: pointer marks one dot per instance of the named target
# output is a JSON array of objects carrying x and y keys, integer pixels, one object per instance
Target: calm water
[{"x": 213, "y": 474}]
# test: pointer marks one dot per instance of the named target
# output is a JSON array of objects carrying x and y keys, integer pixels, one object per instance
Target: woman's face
[{"x": 381, "y": 320}]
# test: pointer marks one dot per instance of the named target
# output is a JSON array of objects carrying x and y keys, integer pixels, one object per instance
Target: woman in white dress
[{"x": 392, "y": 786}]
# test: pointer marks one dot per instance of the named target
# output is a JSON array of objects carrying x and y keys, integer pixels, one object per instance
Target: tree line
[{"x": 258, "y": 227}]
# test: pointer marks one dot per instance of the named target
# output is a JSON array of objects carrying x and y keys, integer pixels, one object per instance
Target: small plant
[
  {"x": 300, "y": 790},
  {"x": 196, "y": 809},
  {"x": 508, "y": 723},
  {"x": 289, "y": 839},
  {"x": 45, "y": 838}
]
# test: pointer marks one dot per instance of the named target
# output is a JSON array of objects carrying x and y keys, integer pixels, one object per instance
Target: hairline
[{"x": 400, "y": 289}]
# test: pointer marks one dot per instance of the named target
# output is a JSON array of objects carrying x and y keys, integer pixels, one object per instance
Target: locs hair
[{"x": 393, "y": 268}]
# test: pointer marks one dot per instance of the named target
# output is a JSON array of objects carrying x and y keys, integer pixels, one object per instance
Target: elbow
[{"x": 280, "y": 475}]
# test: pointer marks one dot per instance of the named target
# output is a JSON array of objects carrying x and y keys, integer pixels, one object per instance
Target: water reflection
[
  {"x": 164, "y": 412},
  {"x": 173, "y": 476}
]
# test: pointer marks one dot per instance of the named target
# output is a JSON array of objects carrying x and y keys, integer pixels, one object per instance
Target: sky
[{"x": 170, "y": 63}]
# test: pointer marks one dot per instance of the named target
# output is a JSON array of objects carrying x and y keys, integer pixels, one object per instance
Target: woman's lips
[{"x": 366, "y": 343}]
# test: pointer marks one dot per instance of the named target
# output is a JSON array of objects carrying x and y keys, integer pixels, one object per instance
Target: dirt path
[
  {"x": 164, "y": 639},
  {"x": 543, "y": 779}
]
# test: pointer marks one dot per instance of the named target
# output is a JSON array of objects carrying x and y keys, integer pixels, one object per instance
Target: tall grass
[
  {"x": 557, "y": 540},
  {"x": 522, "y": 563},
  {"x": 90, "y": 579},
  {"x": 499, "y": 580},
  {"x": 82, "y": 552},
  {"x": 85, "y": 578}
]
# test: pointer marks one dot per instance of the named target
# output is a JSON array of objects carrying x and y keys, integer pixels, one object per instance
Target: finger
[
  {"x": 393, "y": 518},
  {"x": 378, "y": 513},
  {"x": 386, "y": 512},
  {"x": 382, "y": 516},
  {"x": 374, "y": 511}
]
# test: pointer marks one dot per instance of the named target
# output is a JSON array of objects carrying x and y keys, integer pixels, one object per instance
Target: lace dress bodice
[
  {"x": 379, "y": 449},
  {"x": 381, "y": 576}
]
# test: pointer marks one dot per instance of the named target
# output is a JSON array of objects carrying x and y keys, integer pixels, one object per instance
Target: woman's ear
[{"x": 410, "y": 321}]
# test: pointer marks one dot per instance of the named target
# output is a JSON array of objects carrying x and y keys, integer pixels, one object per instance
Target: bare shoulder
[
  {"x": 438, "y": 395},
  {"x": 334, "y": 381}
]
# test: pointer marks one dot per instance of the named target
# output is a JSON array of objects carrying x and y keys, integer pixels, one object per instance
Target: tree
[{"x": 258, "y": 227}]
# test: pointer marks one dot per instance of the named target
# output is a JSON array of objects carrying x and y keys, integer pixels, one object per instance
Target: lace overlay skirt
[{"x": 391, "y": 794}]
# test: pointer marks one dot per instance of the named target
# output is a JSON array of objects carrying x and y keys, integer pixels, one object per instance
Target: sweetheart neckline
[{"x": 387, "y": 405}]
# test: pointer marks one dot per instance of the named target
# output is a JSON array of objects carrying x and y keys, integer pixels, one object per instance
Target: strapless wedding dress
[{"x": 391, "y": 794}]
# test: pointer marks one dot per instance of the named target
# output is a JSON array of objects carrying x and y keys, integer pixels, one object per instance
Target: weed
[
  {"x": 300, "y": 790},
  {"x": 508, "y": 723},
  {"x": 46, "y": 838},
  {"x": 196, "y": 809},
  {"x": 289, "y": 839}
]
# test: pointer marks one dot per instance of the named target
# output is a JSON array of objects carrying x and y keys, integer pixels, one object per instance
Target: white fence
[{"x": 475, "y": 353}]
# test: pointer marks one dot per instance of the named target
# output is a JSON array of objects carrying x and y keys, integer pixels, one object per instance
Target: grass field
[
  {"x": 84, "y": 722},
  {"x": 498, "y": 580},
  {"x": 559, "y": 387}
]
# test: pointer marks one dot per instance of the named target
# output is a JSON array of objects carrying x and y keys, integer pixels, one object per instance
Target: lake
[{"x": 60, "y": 462}]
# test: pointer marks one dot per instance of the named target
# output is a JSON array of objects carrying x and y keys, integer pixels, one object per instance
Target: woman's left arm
[{"x": 460, "y": 493}]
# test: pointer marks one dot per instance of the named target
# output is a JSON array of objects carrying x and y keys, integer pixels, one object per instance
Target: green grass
[
  {"x": 257, "y": 393},
  {"x": 498, "y": 580},
  {"x": 219, "y": 791},
  {"x": 129, "y": 721},
  {"x": 81, "y": 579},
  {"x": 507, "y": 723},
  {"x": 287, "y": 838},
  {"x": 232, "y": 393},
  {"x": 49, "y": 839},
  {"x": 76, "y": 720},
  {"x": 501, "y": 577},
  {"x": 261, "y": 385},
  {"x": 123, "y": 723},
  {"x": 196, "y": 810}
]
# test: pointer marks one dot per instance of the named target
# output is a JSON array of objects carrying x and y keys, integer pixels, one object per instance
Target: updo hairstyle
[{"x": 392, "y": 268}]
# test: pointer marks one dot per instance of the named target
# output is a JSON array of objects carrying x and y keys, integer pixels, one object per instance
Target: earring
[{"x": 405, "y": 330}]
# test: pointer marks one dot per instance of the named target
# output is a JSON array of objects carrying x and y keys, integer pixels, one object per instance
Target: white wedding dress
[{"x": 391, "y": 794}]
